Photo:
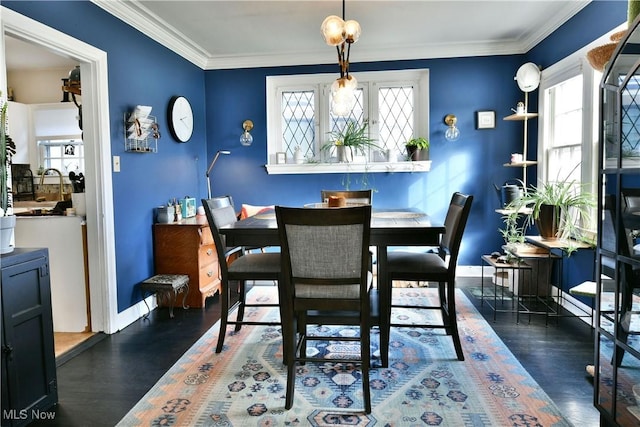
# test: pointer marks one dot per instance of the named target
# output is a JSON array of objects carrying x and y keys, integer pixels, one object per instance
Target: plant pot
[
  {"x": 416, "y": 154},
  {"x": 345, "y": 154},
  {"x": 548, "y": 221},
  {"x": 7, "y": 225}
]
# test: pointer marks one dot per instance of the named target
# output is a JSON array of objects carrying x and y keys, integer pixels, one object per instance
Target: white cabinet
[{"x": 63, "y": 236}]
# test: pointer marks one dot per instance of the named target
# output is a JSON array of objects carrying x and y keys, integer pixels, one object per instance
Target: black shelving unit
[{"x": 617, "y": 344}]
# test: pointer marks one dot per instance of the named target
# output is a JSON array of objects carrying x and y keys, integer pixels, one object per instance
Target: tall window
[
  {"x": 299, "y": 115},
  {"x": 564, "y": 130},
  {"x": 568, "y": 134}
]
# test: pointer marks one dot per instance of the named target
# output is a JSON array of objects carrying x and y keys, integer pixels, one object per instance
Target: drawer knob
[
  {"x": 209, "y": 252},
  {"x": 210, "y": 273}
]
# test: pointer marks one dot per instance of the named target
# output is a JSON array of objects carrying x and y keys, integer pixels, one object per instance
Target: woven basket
[
  {"x": 616, "y": 37},
  {"x": 599, "y": 56}
]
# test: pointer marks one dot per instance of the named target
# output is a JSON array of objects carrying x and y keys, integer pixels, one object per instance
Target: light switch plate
[{"x": 116, "y": 163}]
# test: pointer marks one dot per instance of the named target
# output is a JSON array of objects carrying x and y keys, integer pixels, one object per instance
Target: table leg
[{"x": 384, "y": 299}]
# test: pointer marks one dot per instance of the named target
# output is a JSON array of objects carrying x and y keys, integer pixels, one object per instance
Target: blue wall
[
  {"x": 140, "y": 72},
  {"x": 223, "y": 99}
]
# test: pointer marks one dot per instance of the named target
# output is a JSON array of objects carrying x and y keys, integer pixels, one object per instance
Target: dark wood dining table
[{"x": 389, "y": 227}]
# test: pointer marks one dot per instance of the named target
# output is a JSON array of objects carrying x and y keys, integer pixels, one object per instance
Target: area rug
[{"x": 424, "y": 384}]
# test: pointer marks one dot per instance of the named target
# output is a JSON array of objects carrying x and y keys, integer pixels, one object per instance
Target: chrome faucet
[{"x": 61, "y": 197}]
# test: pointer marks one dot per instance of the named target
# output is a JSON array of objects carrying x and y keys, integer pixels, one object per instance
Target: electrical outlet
[{"x": 116, "y": 163}]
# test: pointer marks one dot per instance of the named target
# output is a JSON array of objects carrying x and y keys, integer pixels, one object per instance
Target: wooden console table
[{"x": 186, "y": 247}]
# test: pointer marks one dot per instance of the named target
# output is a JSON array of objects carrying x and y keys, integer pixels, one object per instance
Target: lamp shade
[
  {"x": 528, "y": 77},
  {"x": 332, "y": 30},
  {"x": 352, "y": 31}
]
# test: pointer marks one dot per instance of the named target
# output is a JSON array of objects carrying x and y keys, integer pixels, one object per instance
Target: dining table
[{"x": 390, "y": 227}]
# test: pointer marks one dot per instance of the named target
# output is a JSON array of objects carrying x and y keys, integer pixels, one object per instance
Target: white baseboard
[{"x": 135, "y": 312}]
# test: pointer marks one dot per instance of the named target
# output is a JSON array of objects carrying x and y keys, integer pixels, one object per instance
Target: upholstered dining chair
[
  {"x": 351, "y": 196},
  {"x": 237, "y": 266},
  {"x": 436, "y": 267},
  {"x": 327, "y": 283}
]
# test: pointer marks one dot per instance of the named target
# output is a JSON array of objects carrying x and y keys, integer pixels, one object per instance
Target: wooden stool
[{"x": 166, "y": 285}]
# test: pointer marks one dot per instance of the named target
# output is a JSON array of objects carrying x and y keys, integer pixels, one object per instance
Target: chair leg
[
  {"x": 365, "y": 355},
  {"x": 242, "y": 296},
  {"x": 224, "y": 314},
  {"x": 444, "y": 310},
  {"x": 452, "y": 320},
  {"x": 290, "y": 344}
]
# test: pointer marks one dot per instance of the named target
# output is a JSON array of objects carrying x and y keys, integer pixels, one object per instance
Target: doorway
[{"x": 99, "y": 200}]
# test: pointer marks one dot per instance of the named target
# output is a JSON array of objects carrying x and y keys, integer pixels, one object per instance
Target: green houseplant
[
  {"x": 352, "y": 139},
  {"x": 7, "y": 150},
  {"x": 559, "y": 209},
  {"x": 417, "y": 148}
]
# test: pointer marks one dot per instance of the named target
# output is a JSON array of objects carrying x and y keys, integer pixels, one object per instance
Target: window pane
[
  {"x": 564, "y": 163},
  {"x": 356, "y": 115},
  {"x": 567, "y": 112},
  {"x": 631, "y": 118},
  {"x": 564, "y": 151},
  {"x": 395, "y": 114},
  {"x": 298, "y": 122},
  {"x": 66, "y": 155}
]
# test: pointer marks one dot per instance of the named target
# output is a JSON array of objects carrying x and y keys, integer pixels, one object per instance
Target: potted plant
[
  {"x": 351, "y": 140},
  {"x": 558, "y": 209},
  {"x": 417, "y": 149},
  {"x": 7, "y": 150}
]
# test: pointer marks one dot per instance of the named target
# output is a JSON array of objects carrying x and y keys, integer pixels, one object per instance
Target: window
[
  {"x": 564, "y": 130},
  {"x": 394, "y": 103},
  {"x": 66, "y": 155},
  {"x": 567, "y": 142}
]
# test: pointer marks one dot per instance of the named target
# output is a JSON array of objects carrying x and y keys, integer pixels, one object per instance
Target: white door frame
[{"x": 95, "y": 118}]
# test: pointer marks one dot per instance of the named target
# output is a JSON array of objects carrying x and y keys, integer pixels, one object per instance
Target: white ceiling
[{"x": 217, "y": 34}]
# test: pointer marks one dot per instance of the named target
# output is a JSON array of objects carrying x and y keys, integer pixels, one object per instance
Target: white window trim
[
  {"x": 564, "y": 69},
  {"x": 320, "y": 82}
]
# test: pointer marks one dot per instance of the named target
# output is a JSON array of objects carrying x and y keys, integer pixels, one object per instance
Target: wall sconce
[
  {"x": 246, "y": 139},
  {"x": 451, "y": 134},
  {"x": 226, "y": 152}
]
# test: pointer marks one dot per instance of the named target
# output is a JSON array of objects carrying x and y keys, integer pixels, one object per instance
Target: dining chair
[
  {"x": 325, "y": 283},
  {"x": 351, "y": 196},
  {"x": 236, "y": 265},
  {"x": 435, "y": 267},
  {"x": 631, "y": 198}
]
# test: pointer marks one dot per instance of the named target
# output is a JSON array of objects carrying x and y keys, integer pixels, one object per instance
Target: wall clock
[{"x": 180, "y": 118}]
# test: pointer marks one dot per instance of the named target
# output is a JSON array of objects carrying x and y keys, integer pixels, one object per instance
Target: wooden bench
[{"x": 166, "y": 286}]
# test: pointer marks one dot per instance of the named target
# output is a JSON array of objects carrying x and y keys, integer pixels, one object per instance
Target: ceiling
[{"x": 218, "y": 34}]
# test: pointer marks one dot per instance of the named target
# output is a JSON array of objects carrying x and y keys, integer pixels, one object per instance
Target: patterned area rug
[{"x": 424, "y": 385}]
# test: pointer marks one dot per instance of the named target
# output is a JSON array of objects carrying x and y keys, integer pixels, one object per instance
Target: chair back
[
  {"x": 455, "y": 223},
  {"x": 351, "y": 196},
  {"x": 631, "y": 198},
  {"x": 220, "y": 213},
  {"x": 220, "y": 201},
  {"x": 325, "y": 252}
]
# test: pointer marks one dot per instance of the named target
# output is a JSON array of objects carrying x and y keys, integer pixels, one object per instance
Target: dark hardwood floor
[{"x": 103, "y": 381}]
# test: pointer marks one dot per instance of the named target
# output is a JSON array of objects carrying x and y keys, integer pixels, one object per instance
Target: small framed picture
[
  {"x": 281, "y": 158},
  {"x": 486, "y": 119}
]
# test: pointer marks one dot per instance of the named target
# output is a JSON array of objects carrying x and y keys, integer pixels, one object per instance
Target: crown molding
[
  {"x": 141, "y": 18},
  {"x": 148, "y": 23}
]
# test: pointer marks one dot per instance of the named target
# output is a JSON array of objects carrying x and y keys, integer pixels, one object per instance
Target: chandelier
[{"x": 342, "y": 34}]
